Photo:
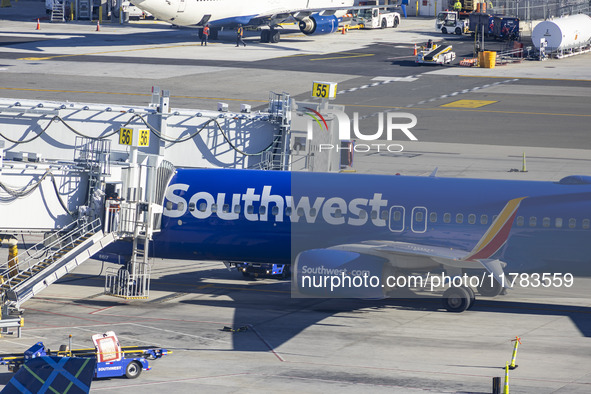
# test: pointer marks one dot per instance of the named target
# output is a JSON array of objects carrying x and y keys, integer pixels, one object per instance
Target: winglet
[
  {"x": 497, "y": 234},
  {"x": 434, "y": 173}
]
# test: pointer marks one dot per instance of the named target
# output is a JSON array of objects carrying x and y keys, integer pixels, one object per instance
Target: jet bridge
[{"x": 81, "y": 176}]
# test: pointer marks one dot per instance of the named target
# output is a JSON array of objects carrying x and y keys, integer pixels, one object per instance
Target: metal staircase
[
  {"x": 58, "y": 11},
  {"x": 41, "y": 265}
]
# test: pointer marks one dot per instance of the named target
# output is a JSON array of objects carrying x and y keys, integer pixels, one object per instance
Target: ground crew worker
[
  {"x": 458, "y": 6},
  {"x": 239, "y": 34},
  {"x": 205, "y": 35},
  {"x": 114, "y": 209}
]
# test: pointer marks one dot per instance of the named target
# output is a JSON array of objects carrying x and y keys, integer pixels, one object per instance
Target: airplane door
[
  {"x": 396, "y": 219},
  {"x": 182, "y": 5},
  {"x": 419, "y": 220}
]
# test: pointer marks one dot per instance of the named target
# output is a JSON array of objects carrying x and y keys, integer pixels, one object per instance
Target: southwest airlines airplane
[
  {"x": 327, "y": 223},
  {"x": 314, "y": 16}
]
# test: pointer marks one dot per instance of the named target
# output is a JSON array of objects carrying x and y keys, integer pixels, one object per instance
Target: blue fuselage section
[{"x": 271, "y": 216}]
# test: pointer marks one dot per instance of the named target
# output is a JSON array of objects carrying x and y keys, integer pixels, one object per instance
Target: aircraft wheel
[
  {"x": 485, "y": 288},
  {"x": 456, "y": 299},
  {"x": 444, "y": 30},
  {"x": 265, "y": 36},
  {"x": 396, "y": 22},
  {"x": 275, "y": 36},
  {"x": 133, "y": 370},
  {"x": 384, "y": 23},
  {"x": 458, "y": 31}
]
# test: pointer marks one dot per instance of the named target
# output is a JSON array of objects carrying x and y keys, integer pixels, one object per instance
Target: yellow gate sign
[
  {"x": 325, "y": 90},
  {"x": 134, "y": 137},
  {"x": 125, "y": 136}
]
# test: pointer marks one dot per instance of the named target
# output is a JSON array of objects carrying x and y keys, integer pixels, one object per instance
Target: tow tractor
[
  {"x": 449, "y": 22},
  {"x": 374, "y": 18},
  {"x": 436, "y": 54},
  {"x": 112, "y": 359}
]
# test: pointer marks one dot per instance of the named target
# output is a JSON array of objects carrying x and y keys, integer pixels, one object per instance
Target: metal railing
[
  {"x": 46, "y": 254},
  {"x": 119, "y": 282}
]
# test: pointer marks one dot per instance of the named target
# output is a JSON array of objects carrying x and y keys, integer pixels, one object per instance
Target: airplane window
[
  {"x": 214, "y": 208},
  {"x": 558, "y": 222},
  {"x": 250, "y": 209},
  {"x": 374, "y": 214},
  {"x": 433, "y": 217},
  {"x": 533, "y": 221},
  {"x": 494, "y": 218},
  {"x": 483, "y": 219},
  {"x": 384, "y": 215},
  {"x": 546, "y": 222},
  {"x": 471, "y": 218},
  {"x": 262, "y": 209},
  {"x": 300, "y": 211},
  {"x": 180, "y": 206},
  {"x": 338, "y": 213},
  {"x": 226, "y": 208},
  {"x": 169, "y": 205},
  {"x": 288, "y": 211},
  {"x": 520, "y": 221},
  {"x": 202, "y": 207},
  {"x": 313, "y": 212},
  {"x": 572, "y": 223},
  {"x": 419, "y": 217},
  {"x": 397, "y": 216},
  {"x": 275, "y": 211},
  {"x": 362, "y": 215},
  {"x": 586, "y": 223},
  {"x": 237, "y": 208},
  {"x": 191, "y": 206},
  {"x": 459, "y": 218},
  {"x": 447, "y": 218}
]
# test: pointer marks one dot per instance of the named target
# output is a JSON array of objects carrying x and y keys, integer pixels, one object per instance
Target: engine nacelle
[
  {"x": 336, "y": 273},
  {"x": 318, "y": 24}
]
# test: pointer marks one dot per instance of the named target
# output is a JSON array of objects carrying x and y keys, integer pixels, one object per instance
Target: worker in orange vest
[
  {"x": 239, "y": 34},
  {"x": 205, "y": 35}
]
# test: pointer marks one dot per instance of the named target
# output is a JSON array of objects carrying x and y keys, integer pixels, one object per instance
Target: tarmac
[{"x": 310, "y": 345}]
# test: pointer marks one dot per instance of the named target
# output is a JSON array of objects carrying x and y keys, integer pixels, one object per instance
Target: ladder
[
  {"x": 58, "y": 11},
  {"x": 41, "y": 265}
]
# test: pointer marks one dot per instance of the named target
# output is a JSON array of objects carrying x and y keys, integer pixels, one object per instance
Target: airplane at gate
[
  {"x": 313, "y": 16},
  {"x": 379, "y": 224}
]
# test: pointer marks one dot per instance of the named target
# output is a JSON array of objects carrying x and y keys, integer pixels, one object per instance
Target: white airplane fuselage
[{"x": 228, "y": 12}]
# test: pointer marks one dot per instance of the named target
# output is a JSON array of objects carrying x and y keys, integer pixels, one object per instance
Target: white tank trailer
[{"x": 564, "y": 33}]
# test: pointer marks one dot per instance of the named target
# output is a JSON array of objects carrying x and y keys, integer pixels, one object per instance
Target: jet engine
[{"x": 319, "y": 24}]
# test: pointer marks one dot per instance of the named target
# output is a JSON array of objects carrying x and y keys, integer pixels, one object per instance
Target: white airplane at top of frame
[{"x": 313, "y": 16}]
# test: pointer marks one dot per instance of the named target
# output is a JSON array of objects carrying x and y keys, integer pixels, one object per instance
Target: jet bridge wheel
[
  {"x": 396, "y": 22},
  {"x": 274, "y": 36},
  {"x": 458, "y": 31},
  {"x": 444, "y": 30},
  {"x": 457, "y": 299},
  {"x": 133, "y": 370}
]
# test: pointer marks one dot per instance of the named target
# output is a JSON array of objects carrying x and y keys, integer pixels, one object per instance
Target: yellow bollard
[
  {"x": 5, "y": 4},
  {"x": 100, "y": 14},
  {"x": 523, "y": 168},
  {"x": 72, "y": 11},
  {"x": 12, "y": 259},
  {"x": 506, "y": 387},
  {"x": 517, "y": 341}
]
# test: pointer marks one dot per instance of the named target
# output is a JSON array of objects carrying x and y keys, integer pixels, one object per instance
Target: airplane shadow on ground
[{"x": 266, "y": 304}]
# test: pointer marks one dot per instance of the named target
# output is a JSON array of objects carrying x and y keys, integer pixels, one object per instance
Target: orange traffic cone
[
  {"x": 343, "y": 30},
  {"x": 98, "y": 26},
  {"x": 415, "y": 51},
  {"x": 38, "y": 25}
]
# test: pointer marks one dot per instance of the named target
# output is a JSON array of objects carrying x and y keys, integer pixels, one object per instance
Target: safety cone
[
  {"x": 523, "y": 169},
  {"x": 38, "y": 25},
  {"x": 98, "y": 26},
  {"x": 343, "y": 30},
  {"x": 415, "y": 51}
]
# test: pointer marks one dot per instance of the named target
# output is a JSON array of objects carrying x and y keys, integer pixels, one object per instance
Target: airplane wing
[
  {"x": 383, "y": 259},
  {"x": 283, "y": 15}
]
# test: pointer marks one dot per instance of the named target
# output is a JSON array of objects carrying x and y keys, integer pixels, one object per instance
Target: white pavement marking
[
  {"x": 179, "y": 333},
  {"x": 382, "y": 81}
]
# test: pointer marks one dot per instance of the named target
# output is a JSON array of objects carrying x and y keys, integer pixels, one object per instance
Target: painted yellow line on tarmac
[
  {"x": 470, "y": 110},
  {"x": 131, "y": 94},
  {"x": 469, "y": 103},
  {"x": 343, "y": 57},
  {"x": 104, "y": 52}
]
